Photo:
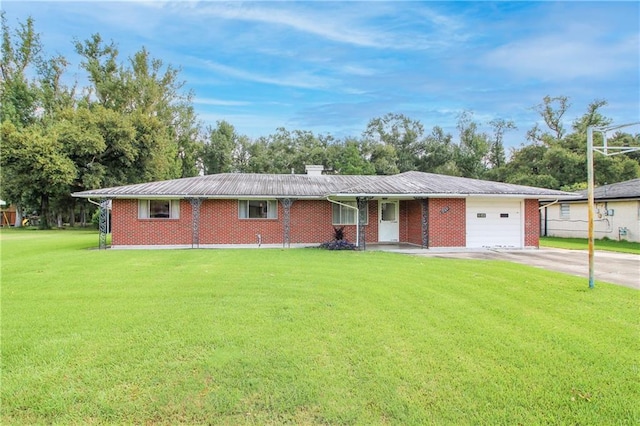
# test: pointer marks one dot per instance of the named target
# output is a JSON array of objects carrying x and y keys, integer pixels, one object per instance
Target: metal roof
[
  {"x": 627, "y": 189},
  {"x": 251, "y": 185},
  {"x": 234, "y": 185},
  {"x": 429, "y": 184}
]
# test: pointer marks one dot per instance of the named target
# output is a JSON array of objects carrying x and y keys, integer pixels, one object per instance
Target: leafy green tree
[
  {"x": 497, "y": 157},
  {"x": 217, "y": 155},
  {"x": 20, "y": 54},
  {"x": 439, "y": 154},
  {"x": 33, "y": 163},
  {"x": 402, "y": 133},
  {"x": 347, "y": 158},
  {"x": 557, "y": 159},
  {"x": 147, "y": 96},
  {"x": 472, "y": 150},
  {"x": 552, "y": 109}
]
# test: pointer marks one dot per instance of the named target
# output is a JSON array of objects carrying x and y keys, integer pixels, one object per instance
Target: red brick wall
[
  {"x": 127, "y": 229},
  {"x": 413, "y": 222},
  {"x": 531, "y": 223},
  {"x": 447, "y": 222},
  {"x": 219, "y": 224},
  {"x": 310, "y": 224}
]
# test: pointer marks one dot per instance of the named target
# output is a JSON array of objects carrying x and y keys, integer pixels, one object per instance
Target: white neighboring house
[{"x": 616, "y": 216}]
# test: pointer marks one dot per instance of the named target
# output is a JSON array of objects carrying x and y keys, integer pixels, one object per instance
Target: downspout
[
  {"x": 357, "y": 217},
  {"x": 546, "y": 215}
]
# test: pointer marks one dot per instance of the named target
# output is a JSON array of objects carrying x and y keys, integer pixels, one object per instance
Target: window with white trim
[
  {"x": 257, "y": 209},
  {"x": 564, "y": 210},
  {"x": 343, "y": 215},
  {"x": 158, "y": 209}
]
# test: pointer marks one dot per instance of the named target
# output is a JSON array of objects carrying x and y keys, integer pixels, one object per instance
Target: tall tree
[
  {"x": 217, "y": 155},
  {"x": 402, "y": 133},
  {"x": 347, "y": 158},
  {"x": 21, "y": 52},
  {"x": 439, "y": 154},
  {"x": 552, "y": 110},
  {"x": 471, "y": 152},
  {"x": 148, "y": 96},
  {"x": 34, "y": 164},
  {"x": 497, "y": 157}
]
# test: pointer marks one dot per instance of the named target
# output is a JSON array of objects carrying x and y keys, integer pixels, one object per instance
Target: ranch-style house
[{"x": 236, "y": 209}]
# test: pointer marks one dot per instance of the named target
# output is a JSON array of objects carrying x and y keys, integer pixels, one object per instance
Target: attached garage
[
  {"x": 495, "y": 223},
  {"x": 422, "y": 209}
]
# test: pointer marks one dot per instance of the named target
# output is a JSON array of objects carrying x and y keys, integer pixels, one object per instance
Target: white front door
[{"x": 388, "y": 226}]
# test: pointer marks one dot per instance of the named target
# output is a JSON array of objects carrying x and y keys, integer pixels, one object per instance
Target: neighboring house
[
  {"x": 423, "y": 209},
  {"x": 616, "y": 216}
]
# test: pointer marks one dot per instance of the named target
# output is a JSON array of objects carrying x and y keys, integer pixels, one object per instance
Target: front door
[{"x": 388, "y": 227}]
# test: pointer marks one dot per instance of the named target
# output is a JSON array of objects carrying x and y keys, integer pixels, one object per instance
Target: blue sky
[{"x": 330, "y": 67}]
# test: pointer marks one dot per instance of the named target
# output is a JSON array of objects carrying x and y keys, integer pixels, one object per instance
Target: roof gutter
[
  {"x": 203, "y": 197},
  {"x": 448, "y": 195}
]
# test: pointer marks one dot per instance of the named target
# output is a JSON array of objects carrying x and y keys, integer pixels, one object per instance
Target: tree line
[{"x": 135, "y": 122}]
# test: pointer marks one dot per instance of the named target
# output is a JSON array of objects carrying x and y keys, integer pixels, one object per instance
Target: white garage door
[{"x": 494, "y": 223}]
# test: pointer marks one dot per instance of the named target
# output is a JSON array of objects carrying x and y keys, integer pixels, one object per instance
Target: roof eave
[
  {"x": 186, "y": 196},
  {"x": 449, "y": 195}
]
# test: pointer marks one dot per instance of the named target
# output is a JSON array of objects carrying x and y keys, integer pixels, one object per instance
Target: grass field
[
  {"x": 305, "y": 336},
  {"x": 582, "y": 244}
]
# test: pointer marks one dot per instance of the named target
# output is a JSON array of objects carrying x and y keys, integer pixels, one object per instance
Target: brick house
[{"x": 230, "y": 209}]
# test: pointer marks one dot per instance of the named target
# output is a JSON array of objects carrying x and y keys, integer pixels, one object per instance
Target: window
[
  {"x": 504, "y": 214},
  {"x": 257, "y": 209},
  {"x": 343, "y": 215},
  {"x": 159, "y": 209},
  {"x": 481, "y": 215},
  {"x": 564, "y": 211}
]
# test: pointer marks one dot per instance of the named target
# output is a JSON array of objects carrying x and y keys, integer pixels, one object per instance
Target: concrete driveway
[{"x": 616, "y": 268}]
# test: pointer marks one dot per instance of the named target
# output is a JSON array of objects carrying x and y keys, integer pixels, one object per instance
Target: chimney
[{"x": 314, "y": 170}]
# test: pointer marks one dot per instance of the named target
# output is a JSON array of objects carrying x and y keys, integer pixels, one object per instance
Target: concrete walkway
[{"x": 612, "y": 267}]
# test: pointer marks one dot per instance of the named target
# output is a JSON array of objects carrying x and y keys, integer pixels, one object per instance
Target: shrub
[
  {"x": 339, "y": 245},
  {"x": 339, "y": 242}
]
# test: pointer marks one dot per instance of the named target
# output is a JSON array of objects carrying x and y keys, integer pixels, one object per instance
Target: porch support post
[
  {"x": 103, "y": 223},
  {"x": 363, "y": 205},
  {"x": 425, "y": 222},
  {"x": 195, "y": 221},
  {"x": 286, "y": 206}
]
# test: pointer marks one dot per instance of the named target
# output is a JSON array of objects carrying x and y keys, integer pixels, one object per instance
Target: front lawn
[
  {"x": 583, "y": 244},
  {"x": 305, "y": 336}
]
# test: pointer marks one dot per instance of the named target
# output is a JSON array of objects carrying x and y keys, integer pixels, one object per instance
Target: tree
[
  {"x": 217, "y": 155},
  {"x": 439, "y": 154},
  {"x": 552, "y": 109},
  {"x": 472, "y": 149},
  {"x": 347, "y": 158},
  {"x": 147, "y": 96},
  {"x": 559, "y": 160},
  {"x": 497, "y": 157},
  {"x": 34, "y": 165},
  {"x": 403, "y": 134},
  {"x": 18, "y": 95}
]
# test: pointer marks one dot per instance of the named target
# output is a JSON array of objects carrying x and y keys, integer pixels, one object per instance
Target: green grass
[
  {"x": 582, "y": 244},
  {"x": 305, "y": 337}
]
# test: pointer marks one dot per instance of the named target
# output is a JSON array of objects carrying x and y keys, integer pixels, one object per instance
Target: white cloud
[
  {"x": 219, "y": 102},
  {"x": 565, "y": 57},
  {"x": 352, "y": 24},
  {"x": 301, "y": 80}
]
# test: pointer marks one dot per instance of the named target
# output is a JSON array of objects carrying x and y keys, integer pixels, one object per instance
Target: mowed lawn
[
  {"x": 583, "y": 244},
  {"x": 305, "y": 336}
]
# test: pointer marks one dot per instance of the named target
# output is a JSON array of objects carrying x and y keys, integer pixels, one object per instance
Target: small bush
[
  {"x": 339, "y": 242},
  {"x": 339, "y": 245}
]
